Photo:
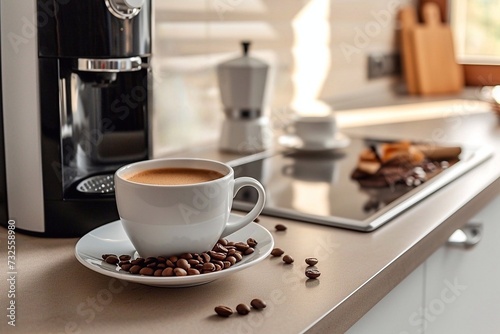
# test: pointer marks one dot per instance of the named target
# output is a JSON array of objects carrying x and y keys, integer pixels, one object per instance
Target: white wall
[{"x": 317, "y": 50}]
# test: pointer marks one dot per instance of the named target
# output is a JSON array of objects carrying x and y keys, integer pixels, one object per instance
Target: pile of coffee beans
[
  {"x": 242, "y": 309},
  {"x": 222, "y": 256}
]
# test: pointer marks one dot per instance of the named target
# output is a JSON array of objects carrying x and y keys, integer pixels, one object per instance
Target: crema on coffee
[{"x": 175, "y": 176}]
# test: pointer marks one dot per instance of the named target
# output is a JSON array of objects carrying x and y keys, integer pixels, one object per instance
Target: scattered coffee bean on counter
[
  {"x": 312, "y": 273},
  {"x": 258, "y": 304},
  {"x": 280, "y": 227},
  {"x": 277, "y": 252},
  {"x": 223, "y": 311},
  {"x": 288, "y": 259},
  {"x": 222, "y": 256},
  {"x": 243, "y": 309},
  {"x": 311, "y": 261}
]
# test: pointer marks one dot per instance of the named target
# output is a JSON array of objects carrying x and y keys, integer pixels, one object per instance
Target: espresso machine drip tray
[{"x": 100, "y": 184}]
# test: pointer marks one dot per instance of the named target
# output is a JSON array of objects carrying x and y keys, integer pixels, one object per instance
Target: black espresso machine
[{"x": 76, "y": 96}]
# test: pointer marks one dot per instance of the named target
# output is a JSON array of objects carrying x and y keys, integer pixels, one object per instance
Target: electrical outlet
[{"x": 383, "y": 64}]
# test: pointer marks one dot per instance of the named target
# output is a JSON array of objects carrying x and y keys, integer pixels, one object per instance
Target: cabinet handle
[{"x": 467, "y": 236}]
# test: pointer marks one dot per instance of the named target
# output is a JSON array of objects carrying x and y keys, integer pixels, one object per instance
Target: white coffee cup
[
  {"x": 188, "y": 218},
  {"x": 313, "y": 130}
]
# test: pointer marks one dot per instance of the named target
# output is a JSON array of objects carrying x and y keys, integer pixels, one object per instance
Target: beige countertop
[{"x": 56, "y": 294}]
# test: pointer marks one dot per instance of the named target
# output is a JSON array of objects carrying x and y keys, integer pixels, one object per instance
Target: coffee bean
[
  {"x": 146, "y": 271},
  {"x": 252, "y": 242},
  {"x": 183, "y": 263},
  {"x": 280, "y": 227},
  {"x": 277, "y": 252},
  {"x": 227, "y": 264},
  {"x": 112, "y": 259},
  {"x": 258, "y": 304},
  {"x": 238, "y": 256},
  {"x": 217, "y": 255},
  {"x": 220, "y": 248},
  {"x": 139, "y": 261},
  {"x": 288, "y": 259},
  {"x": 121, "y": 263},
  {"x": 180, "y": 272},
  {"x": 231, "y": 252},
  {"x": 152, "y": 265},
  {"x": 220, "y": 263},
  {"x": 223, "y": 311},
  {"x": 126, "y": 266},
  {"x": 158, "y": 272},
  {"x": 206, "y": 258},
  {"x": 231, "y": 259},
  {"x": 167, "y": 272},
  {"x": 161, "y": 259},
  {"x": 150, "y": 260},
  {"x": 218, "y": 267},
  {"x": 170, "y": 264},
  {"x": 193, "y": 262},
  {"x": 135, "y": 269},
  {"x": 186, "y": 256},
  {"x": 249, "y": 251},
  {"x": 241, "y": 246},
  {"x": 208, "y": 267},
  {"x": 312, "y": 273},
  {"x": 243, "y": 309},
  {"x": 231, "y": 243},
  {"x": 311, "y": 261},
  {"x": 223, "y": 242},
  {"x": 104, "y": 256},
  {"x": 173, "y": 259},
  {"x": 125, "y": 257},
  {"x": 192, "y": 271},
  {"x": 161, "y": 265}
]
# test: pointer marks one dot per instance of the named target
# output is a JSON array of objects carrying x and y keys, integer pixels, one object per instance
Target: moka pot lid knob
[{"x": 245, "y": 61}]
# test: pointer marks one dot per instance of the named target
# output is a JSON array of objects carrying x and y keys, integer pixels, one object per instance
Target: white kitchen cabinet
[
  {"x": 398, "y": 311},
  {"x": 457, "y": 290},
  {"x": 463, "y": 285}
]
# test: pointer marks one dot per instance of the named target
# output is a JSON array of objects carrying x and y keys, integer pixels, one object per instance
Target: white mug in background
[
  {"x": 188, "y": 218},
  {"x": 313, "y": 130}
]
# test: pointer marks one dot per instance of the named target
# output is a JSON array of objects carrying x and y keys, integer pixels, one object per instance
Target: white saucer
[
  {"x": 340, "y": 141},
  {"x": 111, "y": 239}
]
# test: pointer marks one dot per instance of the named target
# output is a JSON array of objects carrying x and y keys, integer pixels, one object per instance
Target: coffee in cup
[
  {"x": 174, "y": 206},
  {"x": 175, "y": 176}
]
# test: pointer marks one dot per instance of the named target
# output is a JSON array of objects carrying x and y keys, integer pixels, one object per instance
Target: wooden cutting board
[
  {"x": 408, "y": 21},
  {"x": 434, "y": 55}
]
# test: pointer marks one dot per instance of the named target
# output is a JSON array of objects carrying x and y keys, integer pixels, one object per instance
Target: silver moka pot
[{"x": 242, "y": 84}]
